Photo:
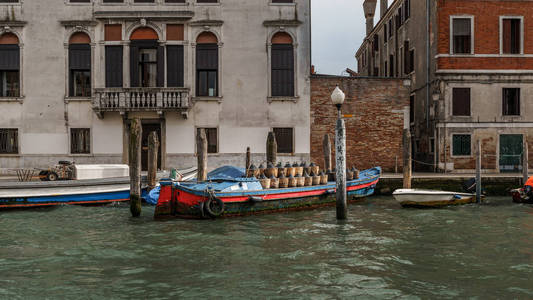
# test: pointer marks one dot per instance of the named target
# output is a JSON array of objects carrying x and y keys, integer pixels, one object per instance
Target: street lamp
[{"x": 337, "y": 97}]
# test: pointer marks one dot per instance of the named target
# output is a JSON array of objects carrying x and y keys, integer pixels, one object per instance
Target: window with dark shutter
[
  {"x": 511, "y": 37},
  {"x": 113, "y": 66},
  {"x": 406, "y": 58},
  {"x": 391, "y": 65},
  {"x": 207, "y": 70},
  {"x": 80, "y": 140},
  {"x": 80, "y": 70},
  {"x": 9, "y": 66},
  {"x": 462, "y": 35},
  {"x": 461, "y": 102},
  {"x": 282, "y": 70},
  {"x": 511, "y": 102},
  {"x": 175, "y": 66},
  {"x": 8, "y": 141},
  {"x": 212, "y": 139},
  {"x": 147, "y": 58},
  {"x": 285, "y": 140},
  {"x": 461, "y": 145}
]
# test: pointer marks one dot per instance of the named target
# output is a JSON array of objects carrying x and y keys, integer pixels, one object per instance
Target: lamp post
[{"x": 340, "y": 155}]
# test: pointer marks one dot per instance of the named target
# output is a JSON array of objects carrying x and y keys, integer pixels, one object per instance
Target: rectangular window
[
  {"x": 285, "y": 140},
  {"x": 212, "y": 139},
  {"x": 207, "y": 70},
  {"x": 147, "y": 67},
  {"x": 406, "y": 58},
  {"x": 80, "y": 140},
  {"x": 80, "y": 70},
  {"x": 282, "y": 1},
  {"x": 80, "y": 1},
  {"x": 206, "y": 1},
  {"x": 282, "y": 72},
  {"x": 175, "y": 66},
  {"x": 9, "y": 1},
  {"x": 391, "y": 65},
  {"x": 174, "y": 1},
  {"x": 412, "y": 109},
  {"x": 113, "y": 66},
  {"x": 461, "y": 145},
  {"x": 407, "y": 9},
  {"x": 461, "y": 102},
  {"x": 411, "y": 60},
  {"x": 390, "y": 27},
  {"x": 143, "y": 1},
  {"x": 113, "y": 1},
  {"x": 385, "y": 35},
  {"x": 462, "y": 36},
  {"x": 8, "y": 141},
  {"x": 376, "y": 42},
  {"x": 511, "y": 36},
  {"x": 511, "y": 102},
  {"x": 9, "y": 71}
]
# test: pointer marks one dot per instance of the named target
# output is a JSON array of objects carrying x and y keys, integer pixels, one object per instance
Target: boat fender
[
  {"x": 255, "y": 199},
  {"x": 457, "y": 197},
  {"x": 330, "y": 192},
  {"x": 214, "y": 207}
]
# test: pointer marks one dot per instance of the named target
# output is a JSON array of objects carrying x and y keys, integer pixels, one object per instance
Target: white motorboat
[{"x": 431, "y": 198}]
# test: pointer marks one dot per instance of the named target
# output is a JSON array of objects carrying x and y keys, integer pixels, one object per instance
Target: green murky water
[{"x": 381, "y": 252}]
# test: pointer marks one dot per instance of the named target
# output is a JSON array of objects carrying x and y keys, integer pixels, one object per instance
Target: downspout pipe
[{"x": 428, "y": 58}]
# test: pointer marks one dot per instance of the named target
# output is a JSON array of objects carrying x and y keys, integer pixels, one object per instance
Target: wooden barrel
[
  {"x": 289, "y": 170},
  {"x": 309, "y": 181},
  {"x": 293, "y": 182},
  {"x": 261, "y": 170},
  {"x": 274, "y": 182},
  {"x": 251, "y": 171},
  {"x": 314, "y": 168},
  {"x": 300, "y": 181},
  {"x": 271, "y": 171},
  {"x": 265, "y": 183},
  {"x": 283, "y": 181},
  {"x": 316, "y": 180},
  {"x": 324, "y": 178}
]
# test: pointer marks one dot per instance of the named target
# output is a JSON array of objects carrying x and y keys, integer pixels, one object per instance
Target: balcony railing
[{"x": 125, "y": 100}]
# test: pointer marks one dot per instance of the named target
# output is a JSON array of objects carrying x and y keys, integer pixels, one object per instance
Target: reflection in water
[{"x": 381, "y": 251}]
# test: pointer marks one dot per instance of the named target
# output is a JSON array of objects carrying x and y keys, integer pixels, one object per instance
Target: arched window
[
  {"x": 146, "y": 59},
  {"x": 282, "y": 65},
  {"x": 79, "y": 53},
  {"x": 9, "y": 65},
  {"x": 207, "y": 65}
]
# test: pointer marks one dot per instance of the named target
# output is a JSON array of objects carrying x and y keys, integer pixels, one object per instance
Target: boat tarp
[
  {"x": 153, "y": 196},
  {"x": 226, "y": 173}
]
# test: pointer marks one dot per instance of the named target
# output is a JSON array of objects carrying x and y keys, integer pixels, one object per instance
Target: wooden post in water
[
  {"x": 326, "y": 146},
  {"x": 272, "y": 148},
  {"x": 248, "y": 159},
  {"x": 153, "y": 149},
  {"x": 340, "y": 158},
  {"x": 525, "y": 163},
  {"x": 407, "y": 159},
  {"x": 135, "y": 166},
  {"x": 201, "y": 148},
  {"x": 478, "y": 171}
]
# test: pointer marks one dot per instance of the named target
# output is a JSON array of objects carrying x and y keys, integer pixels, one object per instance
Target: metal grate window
[
  {"x": 8, "y": 141},
  {"x": 80, "y": 140},
  {"x": 285, "y": 140},
  {"x": 462, "y": 145},
  {"x": 212, "y": 139}
]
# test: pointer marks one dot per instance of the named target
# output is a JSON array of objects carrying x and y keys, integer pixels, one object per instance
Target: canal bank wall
[{"x": 492, "y": 184}]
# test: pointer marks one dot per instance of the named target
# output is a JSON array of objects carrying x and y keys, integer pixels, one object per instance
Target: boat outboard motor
[{"x": 469, "y": 186}]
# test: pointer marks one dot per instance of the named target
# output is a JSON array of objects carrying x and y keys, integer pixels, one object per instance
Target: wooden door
[{"x": 147, "y": 128}]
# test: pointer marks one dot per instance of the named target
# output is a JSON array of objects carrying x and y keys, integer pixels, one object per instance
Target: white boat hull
[{"x": 431, "y": 198}]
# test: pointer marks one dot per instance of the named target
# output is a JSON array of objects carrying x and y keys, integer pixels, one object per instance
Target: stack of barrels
[{"x": 290, "y": 175}]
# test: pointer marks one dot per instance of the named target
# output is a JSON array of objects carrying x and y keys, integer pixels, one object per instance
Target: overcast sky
[{"x": 338, "y": 29}]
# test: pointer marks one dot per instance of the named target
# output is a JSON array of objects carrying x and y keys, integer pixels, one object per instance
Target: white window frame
[
  {"x": 521, "y": 18},
  {"x": 472, "y": 33}
]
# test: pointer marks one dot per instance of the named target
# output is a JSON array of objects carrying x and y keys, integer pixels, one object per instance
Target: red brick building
[
  {"x": 472, "y": 70},
  {"x": 375, "y": 109}
]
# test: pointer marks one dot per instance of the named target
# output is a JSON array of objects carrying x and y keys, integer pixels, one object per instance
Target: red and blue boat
[{"x": 228, "y": 193}]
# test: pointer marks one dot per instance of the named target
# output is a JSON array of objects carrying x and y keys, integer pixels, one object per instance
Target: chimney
[
  {"x": 383, "y": 5},
  {"x": 369, "y": 7}
]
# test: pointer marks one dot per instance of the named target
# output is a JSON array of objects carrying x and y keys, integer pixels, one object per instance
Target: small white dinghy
[{"x": 431, "y": 198}]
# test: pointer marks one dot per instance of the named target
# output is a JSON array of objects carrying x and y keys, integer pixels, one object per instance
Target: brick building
[
  {"x": 471, "y": 68},
  {"x": 73, "y": 73},
  {"x": 378, "y": 109}
]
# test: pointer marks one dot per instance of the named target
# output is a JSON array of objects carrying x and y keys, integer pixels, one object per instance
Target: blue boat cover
[
  {"x": 153, "y": 196},
  {"x": 226, "y": 173}
]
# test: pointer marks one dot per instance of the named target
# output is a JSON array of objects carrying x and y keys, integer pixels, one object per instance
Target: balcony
[{"x": 124, "y": 100}]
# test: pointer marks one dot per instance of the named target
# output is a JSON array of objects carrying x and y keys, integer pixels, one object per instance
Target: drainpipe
[{"x": 428, "y": 62}]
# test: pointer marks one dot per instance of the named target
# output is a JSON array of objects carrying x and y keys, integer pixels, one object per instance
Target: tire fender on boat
[{"x": 214, "y": 207}]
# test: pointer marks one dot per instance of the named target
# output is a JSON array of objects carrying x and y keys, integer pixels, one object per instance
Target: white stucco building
[{"x": 74, "y": 72}]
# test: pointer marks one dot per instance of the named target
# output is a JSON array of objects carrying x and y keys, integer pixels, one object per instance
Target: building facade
[
  {"x": 74, "y": 72},
  {"x": 471, "y": 68}
]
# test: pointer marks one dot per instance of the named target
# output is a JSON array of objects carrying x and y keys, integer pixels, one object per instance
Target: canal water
[{"x": 382, "y": 251}]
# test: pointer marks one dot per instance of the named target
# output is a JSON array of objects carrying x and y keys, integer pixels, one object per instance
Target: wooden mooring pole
[
  {"x": 135, "y": 167},
  {"x": 326, "y": 147},
  {"x": 525, "y": 163},
  {"x": 201, "y": 148},
  {"x": 407, "y": 159},
  {"x": 248, "y": 159},
  {"x": 153, "y": 150},
  {"x": 478, "y": 171},
  {"x": 340, "y": 158},
  {"x": 272, "y": 148}
]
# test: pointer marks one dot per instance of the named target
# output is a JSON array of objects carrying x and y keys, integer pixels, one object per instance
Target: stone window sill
[
  {"x": 207, "y": 99},
  {"x": 283, "y": 98},
  {"x": 78, "y": 99},
  {"x": 12, "y": 99}
]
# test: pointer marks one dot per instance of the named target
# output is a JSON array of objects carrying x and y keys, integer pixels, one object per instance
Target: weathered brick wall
[
  {"x": 486, "y": 33},
  {"x": 374, "y": 134}
]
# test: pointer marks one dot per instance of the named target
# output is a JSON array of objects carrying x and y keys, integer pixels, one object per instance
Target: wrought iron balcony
[{"x": 126, "y": 100}]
